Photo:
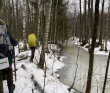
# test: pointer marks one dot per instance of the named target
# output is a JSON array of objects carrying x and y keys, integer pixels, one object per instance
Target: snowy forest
[{"x": 74, "y": 45}]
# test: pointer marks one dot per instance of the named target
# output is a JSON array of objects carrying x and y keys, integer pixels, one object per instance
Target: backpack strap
[
  {"x": 5, "y": 34},
  {"x": 5, "y": 38}
]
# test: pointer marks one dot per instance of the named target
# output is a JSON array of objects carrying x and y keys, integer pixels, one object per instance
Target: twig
[{"x": 75, "y": 71}]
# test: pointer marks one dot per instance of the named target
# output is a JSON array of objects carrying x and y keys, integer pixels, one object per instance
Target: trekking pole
[{"x": 14, "y": 64}]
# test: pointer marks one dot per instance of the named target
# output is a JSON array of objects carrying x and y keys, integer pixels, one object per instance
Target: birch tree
[
  {"x": 44, "y": 40},
  {"x": 47, "y": 23},
  {"x": 42, "y": 55},
  {"x": 24, "y": 25},
  {"x": 28, "y": 17},
  {"x": 38, "y": 21},
  {"x": 101, "y": 28}
]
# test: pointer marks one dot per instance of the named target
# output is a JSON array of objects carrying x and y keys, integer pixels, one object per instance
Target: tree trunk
[
  {"x": 89, "y": 26},
  {"x": 55, "y": 21},
  {"x": 107, "y": 27},
  {"x": 44, "y": 41},
  {"x": 10, "y": 23},
  {"x": 101, "y": 28},
  {"x": 38, "y": 22},
  {"x": 106, "y": 73},
  {"x": 24, "y": 25},
  {"x": 63, "y": 34},
  {"x": 74, "y": 25},
  {"x": 28, "y": 27},
  {"x": 106, "y": 32},
  {"x": 1, "y": 8},
  {"x": 42, "y": 56},
  {"x": 85, "y": 22},
  {"x": 80, "y": 24},
  {"x": 47, "y": 24},
  {"x": 51, "y": 25},
  {"x": 91, "y": 53},
  {"x": 17, "y": 19},
  {"x": 91, "y": 18}
]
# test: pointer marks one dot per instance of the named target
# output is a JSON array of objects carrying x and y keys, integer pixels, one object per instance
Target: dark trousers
[
  {"x": 9, "y": 74},
  {"x": 32, "y": 53}
]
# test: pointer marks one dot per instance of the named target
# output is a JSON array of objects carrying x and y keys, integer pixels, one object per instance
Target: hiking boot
[{"x": 11, "y": 88}]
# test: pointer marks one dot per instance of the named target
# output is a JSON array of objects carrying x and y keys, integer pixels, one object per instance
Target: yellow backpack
[{"x": 32, "y": 40}]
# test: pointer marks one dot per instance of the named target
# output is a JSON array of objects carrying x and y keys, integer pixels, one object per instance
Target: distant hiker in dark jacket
[{"x": 8, "y": 70}]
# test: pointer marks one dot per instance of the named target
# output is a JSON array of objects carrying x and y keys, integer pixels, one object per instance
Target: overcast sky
[{"x": 72, "y": 4}]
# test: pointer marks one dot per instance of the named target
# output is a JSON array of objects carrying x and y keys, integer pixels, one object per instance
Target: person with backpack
[
  {"x": 7, "y": 43},
  {"x": 32, "y": 44}
]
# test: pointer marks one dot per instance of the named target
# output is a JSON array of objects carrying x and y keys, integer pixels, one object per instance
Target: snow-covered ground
[{"x": 30, "y": 78}]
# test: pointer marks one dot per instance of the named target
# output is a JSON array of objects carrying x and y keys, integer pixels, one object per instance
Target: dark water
[{"x": 81, "y": 62}]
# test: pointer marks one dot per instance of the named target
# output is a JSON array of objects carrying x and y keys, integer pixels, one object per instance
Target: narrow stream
[{"x": 67, "y": 73}]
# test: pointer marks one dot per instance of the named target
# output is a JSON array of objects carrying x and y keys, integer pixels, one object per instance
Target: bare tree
[
  {"x": 89, "y": 24},
  {"x": 44, "y": 40},
  {"x": 24, "y": 25},
  {"x": 91, "y": 52},
  {"x": 101, "y": 28},
  {"x": 106, "y": 73},
  {"x": 1, "y": 7},
  {"x": 55, "y": 21},
  {"x": 38, "y": 22},
  {"x": 91, "y": 17},
  {"x": 80, "y": 23},
  {"x": 17, "y": 18},
  {"x": 47, "y": 24},
  {"x": 42, "y": 55},
  {"x": 85, "y": 21},
  {"x": 74, "y": 21},
  {"x": 106, "y": 32}
]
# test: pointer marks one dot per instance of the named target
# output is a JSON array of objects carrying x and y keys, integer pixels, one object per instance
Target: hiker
[
  {"x": 8, "y": 71},
  {"x": 10, "y": 52},
  {"x": 32, "y": 40}
]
